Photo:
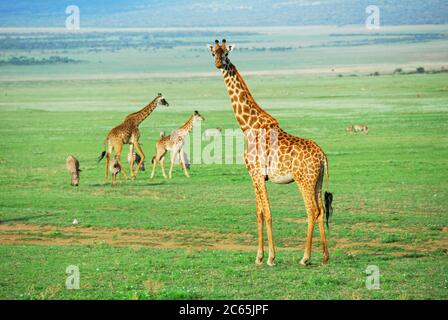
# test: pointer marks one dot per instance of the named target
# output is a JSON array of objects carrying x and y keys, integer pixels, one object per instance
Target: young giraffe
[
  {"x": 285, "y": 158},
  {"x": 174, "y": 143},
  {"x": 128, "y": 133}
]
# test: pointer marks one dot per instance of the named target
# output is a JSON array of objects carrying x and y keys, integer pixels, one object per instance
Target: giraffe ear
[
  {"x": 230, "y": 48},
  {"x": 210, "y": 47}
]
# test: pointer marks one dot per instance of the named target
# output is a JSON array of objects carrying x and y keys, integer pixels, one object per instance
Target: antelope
[
  {"x": 357, "y": 128},
  {"x": 115, "y": 169},
  {"x": 137, "y": 159}
]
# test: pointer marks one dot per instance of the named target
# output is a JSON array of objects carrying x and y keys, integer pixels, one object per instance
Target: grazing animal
[
  {"x": 357, "y": 128},
  {"x": 290, "y": 159},
  {"x": 174, "y": 143},
  {"x": 137, "y": 159},
  {"x": 115, "y": 169},
  {"x": 128, "y": 133},
  {"x": 72, "y": 165},
  {"x": 212, "y": 132}
]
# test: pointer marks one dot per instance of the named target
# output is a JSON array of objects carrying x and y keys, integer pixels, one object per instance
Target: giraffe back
[{"x": 124, "y": 132}]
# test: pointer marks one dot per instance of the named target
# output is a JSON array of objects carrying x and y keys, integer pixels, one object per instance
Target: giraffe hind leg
[
  {"x": 131, "y": 157},
  {"x": 108, "y": 153},
  {"x": 309, "y": 194},
  {"x": 160, "y": 153},
  {"x": 162, "y": 165}
]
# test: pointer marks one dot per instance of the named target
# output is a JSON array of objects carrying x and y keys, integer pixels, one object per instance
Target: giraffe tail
[
  {"x": 101, "y": 155},
  {"x": 328, "y": 197}
]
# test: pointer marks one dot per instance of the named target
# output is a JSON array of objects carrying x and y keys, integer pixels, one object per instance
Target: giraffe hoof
[
  {"x": 325, "y": 260},
  {"x": 304, "y": 262},
  {"x": 259, "y": 261},
  {"x": 271, "y": 263}
]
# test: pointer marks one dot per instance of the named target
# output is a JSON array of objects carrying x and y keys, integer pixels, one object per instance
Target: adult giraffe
[
  {"x": 128, "y": 132},
  {"x": 272, "y": 154}
]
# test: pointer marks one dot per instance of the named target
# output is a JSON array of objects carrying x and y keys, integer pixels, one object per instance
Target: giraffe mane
[
  {"x": 137, "y": 112},
  {"x": 187, "y": 123},
  {"x": 251, "y": 98}
]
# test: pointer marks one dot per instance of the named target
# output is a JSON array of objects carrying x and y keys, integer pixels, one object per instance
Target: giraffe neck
[
  {"x": 187, "y": 126},
  {"x": 139, "y": 116},
  {"x": 247, "y": 112}
]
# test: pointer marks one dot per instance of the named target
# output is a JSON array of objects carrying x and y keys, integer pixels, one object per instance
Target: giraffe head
[
  {"x": 197, "y": 117},
  {"x": 220, "y": 53},
  {"x": 161, "y": 100}
]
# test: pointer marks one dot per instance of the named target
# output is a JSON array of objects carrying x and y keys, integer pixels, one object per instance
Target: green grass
[
  {"x": 390, "y": 186},
  {"x": 390, "y": 189}
]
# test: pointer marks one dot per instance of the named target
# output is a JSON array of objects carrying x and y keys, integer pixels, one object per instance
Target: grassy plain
[{"x": 196, "y": 238}]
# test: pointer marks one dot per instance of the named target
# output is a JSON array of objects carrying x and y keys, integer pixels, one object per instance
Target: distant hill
[{"x": 219, "y": 13}]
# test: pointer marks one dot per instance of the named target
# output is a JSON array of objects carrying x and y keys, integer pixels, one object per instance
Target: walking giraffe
[
  {"x": 174, "y": 143},
  {"x": 128, "y": 133},
  {"x": 284, "y": 158}
]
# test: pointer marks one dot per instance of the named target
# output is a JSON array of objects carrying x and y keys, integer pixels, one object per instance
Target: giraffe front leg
[
  {"x": 259, "y": 213},
  {"x": 173, "y": 160},
  {"x": 266, "y": 210},
  {"x": 182, "y": 161}
]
